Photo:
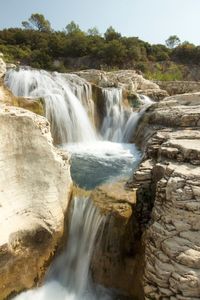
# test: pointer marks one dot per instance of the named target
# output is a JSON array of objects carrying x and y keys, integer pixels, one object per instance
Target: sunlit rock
[{"x": 35, "y": 187}]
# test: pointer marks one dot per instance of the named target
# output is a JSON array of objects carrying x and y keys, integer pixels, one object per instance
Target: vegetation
[{"x": 38, "y": 45}]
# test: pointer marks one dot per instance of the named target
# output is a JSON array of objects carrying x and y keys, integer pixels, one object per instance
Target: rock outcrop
[
  {"x": 6, "y": 96},
  {"x": 129, "y": 80},
  {"x": 2, "y": 66},
  {"x": 35, "y": 188},
  {"x": 168, "y": 198},
  {"x": 119, "y": 259},
  {"x": 34, "y": 105},
  {"x": 179, "y": 87}
]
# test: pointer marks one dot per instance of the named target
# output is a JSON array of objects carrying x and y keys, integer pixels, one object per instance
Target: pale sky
[{"x": 151, "y": 20}]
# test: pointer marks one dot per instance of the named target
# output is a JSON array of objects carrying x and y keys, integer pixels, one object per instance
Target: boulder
[{"x": 35, "y": 189}]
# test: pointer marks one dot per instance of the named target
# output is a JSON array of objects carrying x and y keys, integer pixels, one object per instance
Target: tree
[
  {"x": 38, "y": 22},
  {"x": 72, "y": 27},
  {"x": 93, "y": 31},
  {"x": 111, "y": 34},
  {"x": 173, "y": 41},
  {"x": 114, "y": 53}
]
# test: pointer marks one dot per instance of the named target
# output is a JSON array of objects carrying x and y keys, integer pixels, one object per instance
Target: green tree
[
  {"x": 173, "y": 41},
  {"x": 111, "y": 34},
  {"x": 93, "y": 31},
  {"x": 38, "y": 22},
  {"x": 72, "y": 27},
  {"x": 114, "y": 53}
]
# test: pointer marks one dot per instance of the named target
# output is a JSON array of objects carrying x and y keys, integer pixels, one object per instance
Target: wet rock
[{"x": 121, "y": 251}]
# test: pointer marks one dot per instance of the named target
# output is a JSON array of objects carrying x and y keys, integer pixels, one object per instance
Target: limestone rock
[
  {"x": 121, "y": 251},
  {"x": 128, "y": 80},
  {"x": 168, "y": 197},
  {"x": 2, "y": 67},
  {"x": 35, "y": 187},
  {"x": 34, "y": 105},
  {"x": 179, "y": 87}
]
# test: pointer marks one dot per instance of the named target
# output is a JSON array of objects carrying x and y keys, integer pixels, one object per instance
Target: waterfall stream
[
  {"x": 69, "y": 276},
  {"x": 68, "y": 118},
  {"x": 95, "y": 160},
  {"x": 119, "y": 123}
]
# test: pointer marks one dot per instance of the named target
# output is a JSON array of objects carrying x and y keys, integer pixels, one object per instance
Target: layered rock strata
[
  {"x": 168, "y": 189},
  {"x": 179, "y": 87},
  {"x": 35, "y": 187}
]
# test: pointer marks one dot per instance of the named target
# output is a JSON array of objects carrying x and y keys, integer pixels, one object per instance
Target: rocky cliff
[
  {"x": 168, "y": 189},
  {"x": 35, "y": 187}
]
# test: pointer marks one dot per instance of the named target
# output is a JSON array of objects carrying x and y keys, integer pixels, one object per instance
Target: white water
[
  {"x": 68, "y": 118},
  {"x": 114, "y": 119},
  {"x": 119, "y": 124},
  {"x": 69, "y": 276},
  {"x": 66, "y": 103}
]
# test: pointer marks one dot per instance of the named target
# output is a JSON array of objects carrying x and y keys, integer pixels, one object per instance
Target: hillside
[{"x": 39, "y": 46}]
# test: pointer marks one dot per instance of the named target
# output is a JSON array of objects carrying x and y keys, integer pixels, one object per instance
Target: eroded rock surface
[
  {"x": 130, "y": 81},
  {"x": 2, "y": 66},
  {"x": 179, "y": 87},
  {"x": 119, "y": 259},
  {"x": 168, "y": 181},
  {"x": 35, "y": 187},
  {"x": 34, "y": 105}
]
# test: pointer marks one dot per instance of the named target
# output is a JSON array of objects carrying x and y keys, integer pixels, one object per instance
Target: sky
[{"x": 150, "y": 20}]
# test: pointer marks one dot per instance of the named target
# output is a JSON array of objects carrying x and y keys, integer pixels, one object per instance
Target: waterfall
[
  {"x": 68, "y": 118},
  {"x": 119, "y": 124},
  {"x": 69, "y": 276},
  {"x": 115, "y": 116}
]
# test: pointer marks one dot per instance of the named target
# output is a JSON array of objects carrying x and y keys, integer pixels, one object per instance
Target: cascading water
[
  {"x": 68, "y": 102},
  {"x": 119, "y": 124},
  {"x": 69, "y": 276},
  {"x": 114, "y": 119},
  {"x": 68, "y": 118}
]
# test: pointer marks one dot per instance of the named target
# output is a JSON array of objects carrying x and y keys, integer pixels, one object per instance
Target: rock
[
  {"x": 35, "y": 187},
  {"x": 34, "y": 105},
  {"x": 11, "y": 66},
  {"x": 154, "y": 94},
  {"x": 121, "y": 251},
  {"x": 168, "y": 197},
  {"x": 128, "y": 80},
  {"x": 2, "y": 67},
  {"x": 179, "y": 87}
]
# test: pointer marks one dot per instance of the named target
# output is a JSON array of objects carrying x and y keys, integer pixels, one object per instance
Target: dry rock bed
[
  {"x": 168, "y": 197},
  {"x": 35, "y": 185}
]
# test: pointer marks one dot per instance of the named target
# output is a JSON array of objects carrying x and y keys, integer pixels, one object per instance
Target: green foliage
[
  {"x": 38, "y": 22},
  {"x": 165, "y": 73},
  {"x": 111, "y": 34},
  {"x": 93, "y": 31},
  {"x": 172, "y": 41},
  {"x": 72, "y": 27},
  {"x": 39, "y": 46}
]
